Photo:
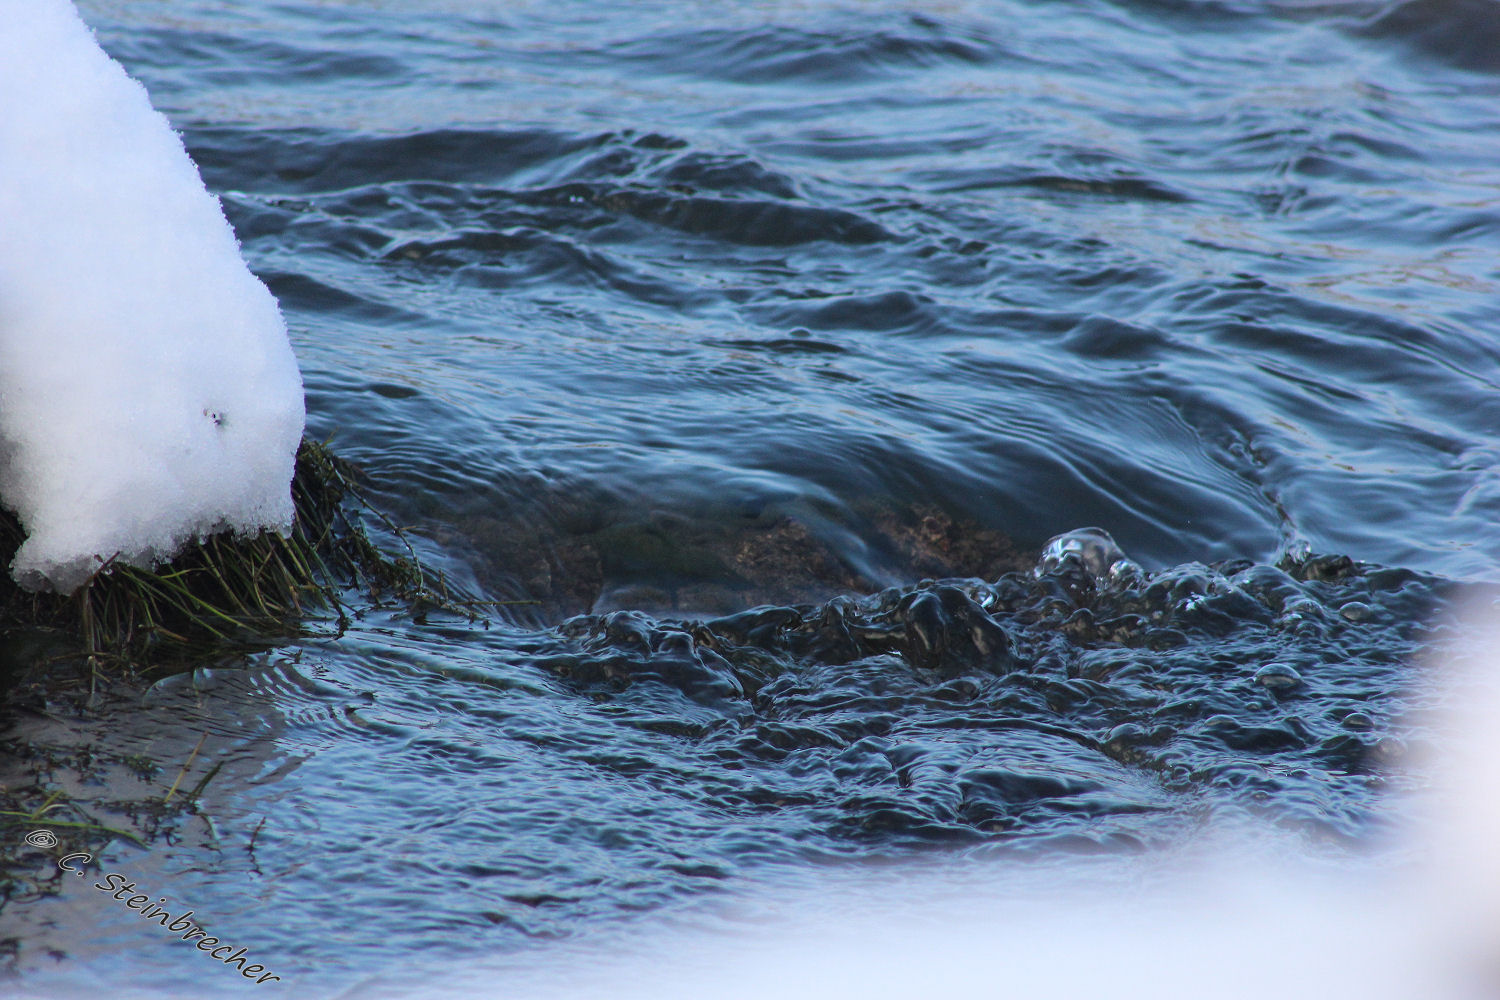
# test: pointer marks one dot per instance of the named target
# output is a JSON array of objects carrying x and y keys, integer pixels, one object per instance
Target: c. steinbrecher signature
[{"x": 121, "y": 888}]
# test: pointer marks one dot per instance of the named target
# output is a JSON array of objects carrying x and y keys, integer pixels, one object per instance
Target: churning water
[{"x": 755, "y": 354}]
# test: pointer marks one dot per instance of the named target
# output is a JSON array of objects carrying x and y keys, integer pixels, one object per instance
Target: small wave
[
  {"x": 785, "y": 54},
  {"x": 1122, "y": 187},
  {"x": 726, "y": 174},
  {"x": 1464, "y": 34},
  {"x": 237, "y": 59},
  {"x": 310, "y": 160},
  {"x": 896, "y": 311},
  {"x": 743, "y": 221},
  {"x": 801, "y": 342},
  {"x": 301, "y": 291}
]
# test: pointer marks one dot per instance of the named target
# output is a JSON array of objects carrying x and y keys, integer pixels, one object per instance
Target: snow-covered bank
[{"x": 148, "y": 393}]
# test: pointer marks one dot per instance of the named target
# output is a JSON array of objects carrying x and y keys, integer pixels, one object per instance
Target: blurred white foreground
[
  {"x": 148, "y": 394},
  {"x": 1262, "y": 931}
]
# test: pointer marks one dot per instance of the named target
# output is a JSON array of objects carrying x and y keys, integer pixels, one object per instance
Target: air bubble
[
  {"x": 1278, "y": 677},
  {"x": 1089, "y": 549}
]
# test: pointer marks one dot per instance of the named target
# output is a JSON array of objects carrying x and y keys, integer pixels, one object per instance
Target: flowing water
[{"x": 753, "y": 355}]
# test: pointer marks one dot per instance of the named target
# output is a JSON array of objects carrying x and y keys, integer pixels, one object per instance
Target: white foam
[{"x": 148, "y": 393}]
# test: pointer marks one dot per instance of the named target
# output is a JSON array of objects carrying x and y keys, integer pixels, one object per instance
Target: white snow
[{"x": 148, "y": 393}]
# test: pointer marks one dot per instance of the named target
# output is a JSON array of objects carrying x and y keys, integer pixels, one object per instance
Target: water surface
[{"x": 755, "y": 355}]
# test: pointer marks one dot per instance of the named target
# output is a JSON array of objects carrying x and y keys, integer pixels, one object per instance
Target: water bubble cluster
[{"x": 970, "y": 707}]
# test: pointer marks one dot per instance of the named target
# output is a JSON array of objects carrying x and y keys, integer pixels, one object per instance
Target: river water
[{"x": 753, "y": 355}]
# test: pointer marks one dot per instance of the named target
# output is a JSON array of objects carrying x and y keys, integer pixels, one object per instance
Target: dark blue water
[{"x": 709, "y": 338}]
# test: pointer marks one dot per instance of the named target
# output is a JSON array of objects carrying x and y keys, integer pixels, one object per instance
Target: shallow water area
[{"x": 751, "y": 358}]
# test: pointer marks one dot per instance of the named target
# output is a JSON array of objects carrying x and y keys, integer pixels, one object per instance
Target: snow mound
[{"x": 148, "y": 393}]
